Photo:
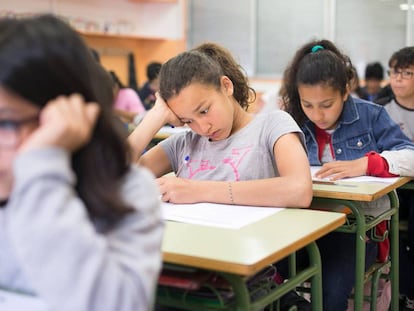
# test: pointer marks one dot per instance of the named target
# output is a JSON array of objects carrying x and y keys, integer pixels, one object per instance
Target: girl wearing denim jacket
[{"x": 349, "y": 137}]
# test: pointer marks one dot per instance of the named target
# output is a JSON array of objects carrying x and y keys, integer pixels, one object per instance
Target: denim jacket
[{"x": 363, "y": 127}]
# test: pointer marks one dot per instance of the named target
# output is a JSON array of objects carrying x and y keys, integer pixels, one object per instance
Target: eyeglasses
[
  {"x": 405, "y": 74},
  {"x": 10, "y": 131}
]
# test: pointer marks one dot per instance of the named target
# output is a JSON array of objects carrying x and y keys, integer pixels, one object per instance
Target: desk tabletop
[
  {"x": 249, "y": 249},
  {"x": 357, "y": 191},
  {"x": 167, "y": 131}
]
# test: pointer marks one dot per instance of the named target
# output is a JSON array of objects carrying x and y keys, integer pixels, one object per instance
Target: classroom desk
[
  {"x": 350, "y": 197},
  {"x": 237, "y": 253},
  {"x": 165, "y": 132},
  {"x": 409, "y": 185}
]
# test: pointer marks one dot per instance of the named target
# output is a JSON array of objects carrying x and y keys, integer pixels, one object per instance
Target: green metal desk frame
[
  {"x": 242, "y": 300},
  {"x": 360, "y": 226},
  {"x": 409, "y": 185}
]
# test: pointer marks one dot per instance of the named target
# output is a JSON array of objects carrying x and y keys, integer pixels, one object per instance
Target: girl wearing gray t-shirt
[{"x": 229, "y": 156}]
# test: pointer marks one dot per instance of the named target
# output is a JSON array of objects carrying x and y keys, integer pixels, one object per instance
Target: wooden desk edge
[
  {"x": 360, "y": 196},
  {"x": 247, "y": 270},
  {"x": 397, "y": 184}
]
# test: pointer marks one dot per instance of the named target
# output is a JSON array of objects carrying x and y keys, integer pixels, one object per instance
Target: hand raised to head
[
  {"x": 171, "y": 117},
  {"x": 66, "y": 122}
]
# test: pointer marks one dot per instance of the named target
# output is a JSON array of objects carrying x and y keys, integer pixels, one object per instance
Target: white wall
[
  {"x": 152, "y": 20},
  {"x": 264, "y": 40}
]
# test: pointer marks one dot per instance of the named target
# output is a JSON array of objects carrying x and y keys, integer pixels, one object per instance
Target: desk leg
[
  {"x": 360, "y": 248},
  {"x": 241, "y": 291},
  {"x": 316, "y": 281},
  {"x": 360, "y": 233},
  {"x": 292, "y": 265},
  {"x": 312, "y": 272},
  {"x": 360, "y": 254},
  {"x": 394, "y": 270}
]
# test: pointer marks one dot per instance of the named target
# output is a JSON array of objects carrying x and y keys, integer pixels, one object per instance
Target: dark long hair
[
  {"x": 315, "y": 63},
  {"x": 41, "y": 58}
]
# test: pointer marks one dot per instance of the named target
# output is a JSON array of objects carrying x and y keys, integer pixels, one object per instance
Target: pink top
[{"x": 128, "y": 100}]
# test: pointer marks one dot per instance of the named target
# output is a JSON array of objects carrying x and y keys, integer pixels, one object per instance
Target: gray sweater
[{"x": 49, "y": 246}]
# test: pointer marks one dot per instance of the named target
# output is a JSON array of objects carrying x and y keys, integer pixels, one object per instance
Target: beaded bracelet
[{"x": 231, "y": 193}]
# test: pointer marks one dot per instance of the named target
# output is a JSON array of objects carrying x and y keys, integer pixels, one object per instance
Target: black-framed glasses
[
  {"x": 10, "y": 130},
  {"x": 405, "y": 74}
]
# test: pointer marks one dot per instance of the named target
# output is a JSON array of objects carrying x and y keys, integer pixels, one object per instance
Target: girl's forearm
[
  {"x": 142, "y": 135},
  {"x": 272, "y": 192}
]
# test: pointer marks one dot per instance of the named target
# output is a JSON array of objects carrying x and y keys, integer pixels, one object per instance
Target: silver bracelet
[{"x": 231, "y": 193}]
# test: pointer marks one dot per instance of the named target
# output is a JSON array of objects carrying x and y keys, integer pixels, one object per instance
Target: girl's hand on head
[
  {"x": 161, "y": 106},
  {"x": 342, "y": 169},
  {"x": 176, "y": 190},
  {"x": 65, "y": 122}
]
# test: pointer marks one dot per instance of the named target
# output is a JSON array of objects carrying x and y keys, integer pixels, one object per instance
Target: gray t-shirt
[
  {"x": 245, "y": 155},
  {"x": 402, "y": 116},
  {"x": 49, "y": 246}
]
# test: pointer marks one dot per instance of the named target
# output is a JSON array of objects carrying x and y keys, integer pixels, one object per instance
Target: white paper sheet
[
  {"x": 216, "y": 215},
  {"x": 388, "y": 180},
  {"x": 10, "y": 301}
]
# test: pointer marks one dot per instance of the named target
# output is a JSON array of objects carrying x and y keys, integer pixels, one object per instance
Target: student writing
[
  {"x": 230, "y": 156},
  {"x": 79, "y": 225},
  {"x": 234, "y": 157},
  {"x": 348, "y": 137}
]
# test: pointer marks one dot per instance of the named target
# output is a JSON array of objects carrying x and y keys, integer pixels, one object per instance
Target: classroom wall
[
  {"x": 114, "y": 52},
  {"x": 150, "y": 30},
  {"x": 144, "y": 19},
  {"x": 263, "y": 35}
]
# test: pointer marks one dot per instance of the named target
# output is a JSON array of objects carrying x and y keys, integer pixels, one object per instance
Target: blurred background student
[
  {"x": 354, "y": 85},
  {"x": 127, "y": 104},
  {"x": 374, "y": 74},
  {"x": 148, "y": 90}
]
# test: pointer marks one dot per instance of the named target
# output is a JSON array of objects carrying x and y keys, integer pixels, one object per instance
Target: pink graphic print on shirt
[{"x": 234, "y": 160}]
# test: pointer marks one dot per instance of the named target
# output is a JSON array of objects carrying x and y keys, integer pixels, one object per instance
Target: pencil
[{"x": 324, "y": 182}]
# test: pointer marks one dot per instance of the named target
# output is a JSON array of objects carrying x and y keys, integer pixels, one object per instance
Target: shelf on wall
[
  {"x": 117, "y": 36},
  {"x": 153, "y": 1}
]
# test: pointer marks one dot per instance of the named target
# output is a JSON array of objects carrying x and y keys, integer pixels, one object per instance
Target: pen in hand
[{"x": 185, "y": 162}]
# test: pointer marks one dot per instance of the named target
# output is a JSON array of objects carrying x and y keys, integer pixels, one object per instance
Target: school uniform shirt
[
  {"x": 50, "y": 247},
  {"x": 245, "y": 155},
  {"x": 402, "y": 116}
]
